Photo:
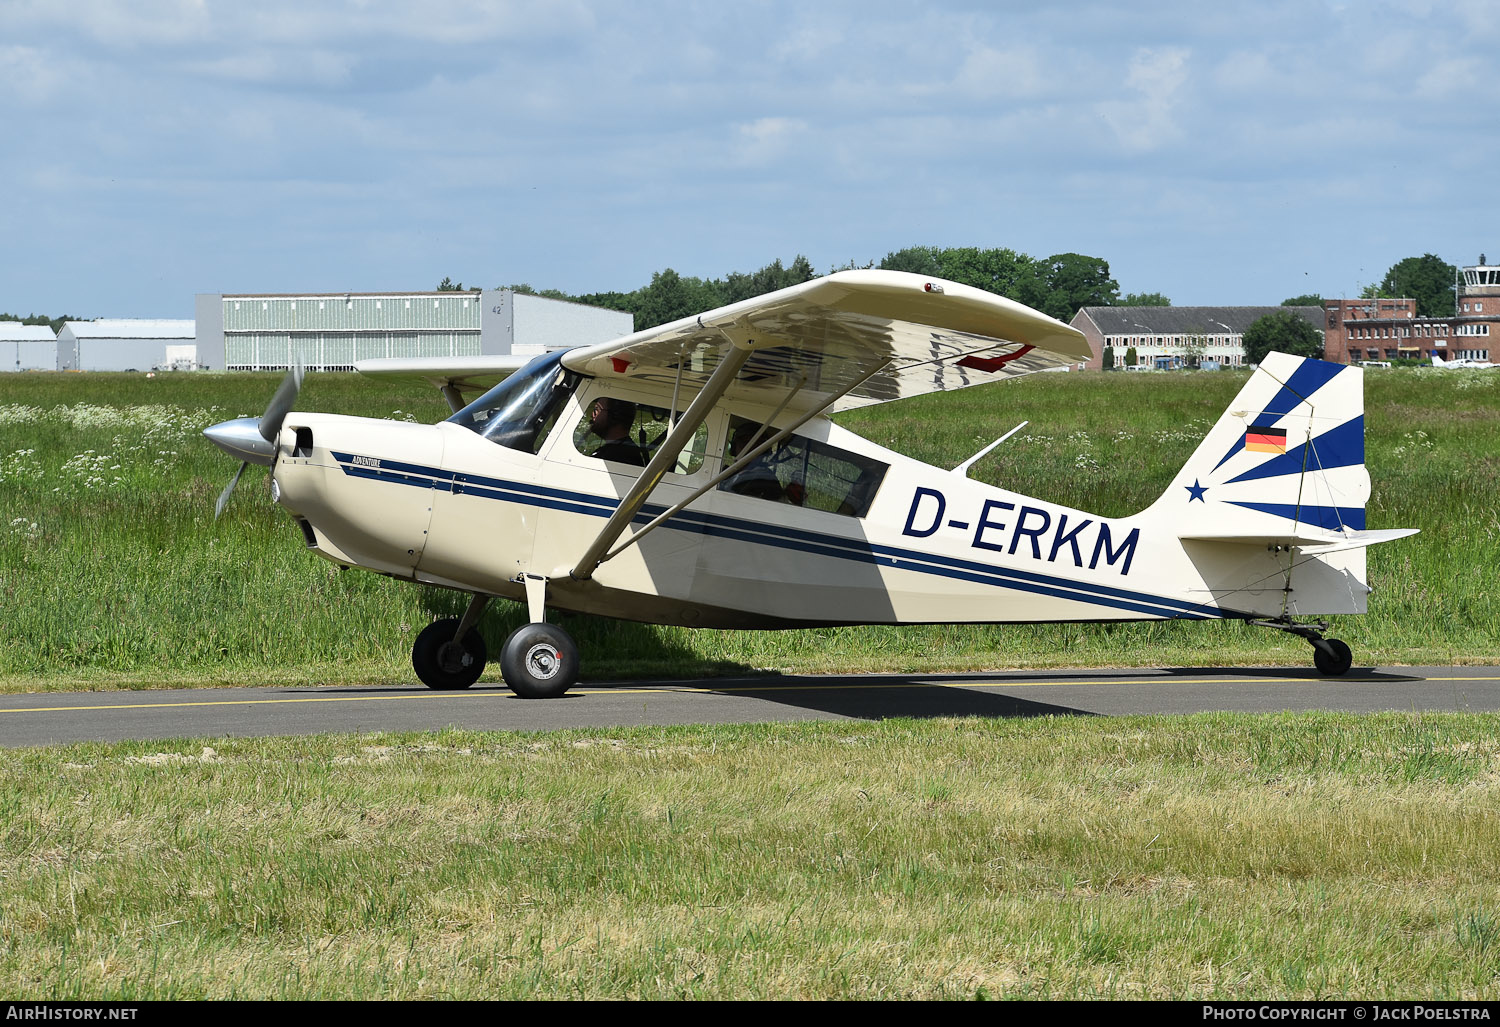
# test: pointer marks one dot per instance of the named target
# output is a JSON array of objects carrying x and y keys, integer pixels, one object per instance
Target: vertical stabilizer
[{"x": 1285, "y": 462}]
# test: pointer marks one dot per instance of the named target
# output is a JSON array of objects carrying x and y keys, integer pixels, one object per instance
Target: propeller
[
  {"x": 223, "y": 499},
  {"x": 253, "y": 439}
]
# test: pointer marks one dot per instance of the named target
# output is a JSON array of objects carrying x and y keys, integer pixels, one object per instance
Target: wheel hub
[
  {"x": 453, "y": 657},
  {"x": 543, "y": 660}
]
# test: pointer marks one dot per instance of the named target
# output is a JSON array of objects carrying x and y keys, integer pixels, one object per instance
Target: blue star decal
[{"x": 1195, "y": 491}]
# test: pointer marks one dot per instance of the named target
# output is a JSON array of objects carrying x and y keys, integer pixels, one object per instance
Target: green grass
[
  {"x": 114, "y": 574},
  {"x": 1304, "y": 857}
]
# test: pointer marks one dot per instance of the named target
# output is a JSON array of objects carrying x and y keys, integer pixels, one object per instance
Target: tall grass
[{"x": 113, "y": 572}]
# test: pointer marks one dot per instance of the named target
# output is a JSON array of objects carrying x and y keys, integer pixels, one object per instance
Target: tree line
[
  {"x": 1057, "y": 285},
  {"x": 55, "y": 323}
]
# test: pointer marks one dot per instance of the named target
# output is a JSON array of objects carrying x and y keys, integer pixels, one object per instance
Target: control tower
[
  {"x": 1477, "y": 315},
  {"x": 1480, "y": 281}
]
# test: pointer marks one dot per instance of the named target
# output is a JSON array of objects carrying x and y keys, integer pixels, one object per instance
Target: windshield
[{"x": 519, "y": 412}]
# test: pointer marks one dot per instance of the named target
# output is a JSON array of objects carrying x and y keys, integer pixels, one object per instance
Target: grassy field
[
  {"x": 114, "y": 574},
  {"x": 1306, "y": 857}
]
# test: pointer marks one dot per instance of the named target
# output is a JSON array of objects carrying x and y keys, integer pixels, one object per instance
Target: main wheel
[
  {"x": 444, "y": 664},
  {"x": 539, "y": 661},
  {"x": 1336, "y": 659}
]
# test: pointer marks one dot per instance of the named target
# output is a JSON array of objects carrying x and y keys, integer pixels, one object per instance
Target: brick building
[{"x": 1389, "y": 329}]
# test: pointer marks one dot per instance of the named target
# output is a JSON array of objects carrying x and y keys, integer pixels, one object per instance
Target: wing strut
[
  {"x": 735, "y": 468},
  {"x": 665, "y": 457}
]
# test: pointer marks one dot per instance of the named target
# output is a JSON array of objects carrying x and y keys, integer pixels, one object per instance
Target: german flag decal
[{"x": 1266, "y": 440}]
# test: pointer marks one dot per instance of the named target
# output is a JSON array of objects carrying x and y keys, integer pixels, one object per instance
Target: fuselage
[{"x": 445, "y": 505}]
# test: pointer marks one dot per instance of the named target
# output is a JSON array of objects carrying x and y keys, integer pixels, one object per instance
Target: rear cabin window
[
  {"x": 801, "y": 472},
  {"x": 622, "y": 431}
]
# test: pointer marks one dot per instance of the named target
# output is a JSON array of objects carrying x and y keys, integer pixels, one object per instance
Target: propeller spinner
[{"x": 253, "y": 439}]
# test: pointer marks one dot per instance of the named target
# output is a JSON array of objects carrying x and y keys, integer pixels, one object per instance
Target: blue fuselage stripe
[{"x": 793, "y": 539}]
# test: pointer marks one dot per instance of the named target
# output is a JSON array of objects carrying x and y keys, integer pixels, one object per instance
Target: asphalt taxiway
[{"x": 57, "y": 717}]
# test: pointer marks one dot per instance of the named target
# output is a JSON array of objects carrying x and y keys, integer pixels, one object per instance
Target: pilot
[{"x": 611, "y": 420}]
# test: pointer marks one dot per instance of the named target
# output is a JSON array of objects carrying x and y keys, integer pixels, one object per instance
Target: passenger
[
  {"x": 759, "y": 479},
  {"x": 611, "y": 420}
]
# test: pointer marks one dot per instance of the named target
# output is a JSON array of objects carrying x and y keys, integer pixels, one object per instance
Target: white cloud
[
  {"x": 990, "y": 74},
  {"x": 1451, "y": 78},
  {"x": 1156, "y": 76},
  {"x": 29, "y": 74},
  {"x": 767, "y": 140}
]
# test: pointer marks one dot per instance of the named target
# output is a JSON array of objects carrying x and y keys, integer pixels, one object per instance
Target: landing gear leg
[
  {"x": 449, "y": 654},
  {"x": 539, "y": 660},
  {"x": 1330, "y": 655}
]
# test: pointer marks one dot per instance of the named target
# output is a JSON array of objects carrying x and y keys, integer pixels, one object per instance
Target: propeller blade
[
  {"x": 224, "y": 496},
  {"x": 281, "y": 403},
  {"x": 252, "y": 440}
]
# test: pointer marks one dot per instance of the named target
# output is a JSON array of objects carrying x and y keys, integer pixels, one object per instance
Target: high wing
[
  {"x": 836, "y": 343},
  {"x": 917, "y": 334},
  {"x": 453, "y": 376}
]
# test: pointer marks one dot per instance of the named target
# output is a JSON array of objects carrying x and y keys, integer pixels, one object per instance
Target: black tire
[
  {"x": 539, "y": 661},
  {"x": 1332, "y": 657},
  {"x": 442, "y": 663}
]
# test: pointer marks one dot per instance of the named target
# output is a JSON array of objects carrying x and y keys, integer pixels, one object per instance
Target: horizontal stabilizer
[
  {"x": 1312, "y": 543},
  {"x": 1360, "y": 539}
]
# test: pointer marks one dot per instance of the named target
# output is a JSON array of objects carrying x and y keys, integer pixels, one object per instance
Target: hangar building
[
  {"x": 330, "y": 331},
  {"x": 125, "y": 344},
  {"x": 27, "y": 347}
]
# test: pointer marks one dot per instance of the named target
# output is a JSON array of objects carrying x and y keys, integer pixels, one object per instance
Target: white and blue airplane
[
  {"x": 1460, "y": 364},
  {"x": 692, "y": 475}
]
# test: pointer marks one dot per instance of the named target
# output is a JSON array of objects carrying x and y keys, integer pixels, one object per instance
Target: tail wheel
[
  {"x": 539, "y": 661},
  {"x": 443, "y": 663},
  {"x": 1332, "y": 657}
]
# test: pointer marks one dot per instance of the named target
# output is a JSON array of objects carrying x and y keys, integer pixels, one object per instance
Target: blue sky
[{"x": 1235, "y": 154}]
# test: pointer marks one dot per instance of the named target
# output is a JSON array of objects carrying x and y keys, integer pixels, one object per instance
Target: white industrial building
[
  {"x": 330, "y": 331},
  {"x": 27, "y": 347},
  {"x": 1169, "y": 337},
  {"x": 125, "y": 344}
]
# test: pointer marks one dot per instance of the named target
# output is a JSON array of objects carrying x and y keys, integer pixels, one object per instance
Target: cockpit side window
[
  {"x": 520, "y": 412},
  {"x": 801, "y": 471},
  {"x": 623, "y": 431}
]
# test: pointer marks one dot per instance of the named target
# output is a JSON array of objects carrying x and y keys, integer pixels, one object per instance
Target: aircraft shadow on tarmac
[
  {"x": 867, "y": 698},
  {"x": 877, "y": 697},
  {"x": 884, "y": 697}
]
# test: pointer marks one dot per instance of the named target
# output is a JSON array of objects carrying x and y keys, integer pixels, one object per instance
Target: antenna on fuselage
[{"x": 962, "y": 470}]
